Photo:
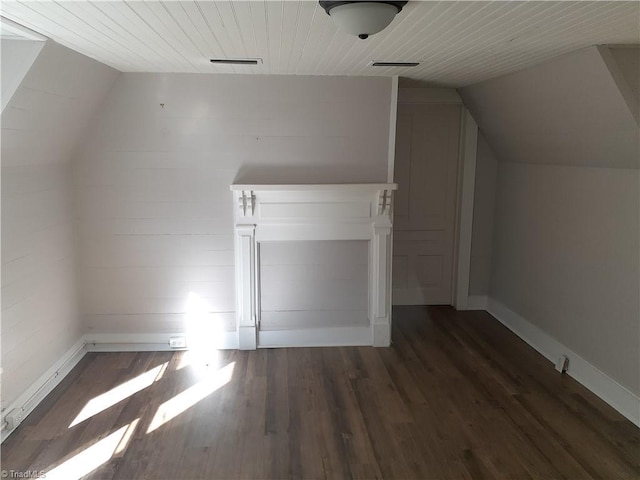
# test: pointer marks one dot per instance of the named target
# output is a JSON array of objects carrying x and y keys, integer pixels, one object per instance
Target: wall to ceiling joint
[{"x": 17, "y": 58}]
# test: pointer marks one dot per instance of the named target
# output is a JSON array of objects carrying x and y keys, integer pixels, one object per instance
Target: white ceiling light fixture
[{"x": 362, "y": 18}]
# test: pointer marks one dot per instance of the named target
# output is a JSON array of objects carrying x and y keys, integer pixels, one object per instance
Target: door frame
[
  {"x": 467, "y": 151},
  {"x": 464, "y": 210}
]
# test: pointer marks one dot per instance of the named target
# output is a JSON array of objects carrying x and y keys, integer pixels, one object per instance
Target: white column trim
[
  {"x": 393, "y": 127},
  {"x": 468, "y": 151},
  {"x": 381, "y": 318},
  {"x": 393, "y": 120},
  {"x": 246, "y": 277}
]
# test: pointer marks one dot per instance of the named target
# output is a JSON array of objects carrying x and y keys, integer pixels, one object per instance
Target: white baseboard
[
  {"x": 98, "y": 342},
  {"x": 477, "y": 302},
  {"x": 149, "y": 342},
  {"x": 38, "y": 390},
  {"x": 315, "y": 337},
  {"x": 605, "y": 387}
]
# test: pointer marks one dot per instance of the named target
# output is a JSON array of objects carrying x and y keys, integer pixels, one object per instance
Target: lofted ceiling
[{"x": 457, "y": 43}]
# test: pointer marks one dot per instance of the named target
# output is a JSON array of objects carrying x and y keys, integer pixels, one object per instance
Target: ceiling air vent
[
  {"x": 395, "y": 64},
  {"x": 236, "y": 61}
]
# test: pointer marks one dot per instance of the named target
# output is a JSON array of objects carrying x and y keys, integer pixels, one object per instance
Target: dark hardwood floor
[{"x": 457, "y": 396}]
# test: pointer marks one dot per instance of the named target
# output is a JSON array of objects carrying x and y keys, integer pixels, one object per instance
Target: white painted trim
[
  {"x": 150, "y": 342},
  {"x": 605, "y": 387},
  {"x": 477, "y": 302},
  {"x": 44, "y": 385},
  {"x": 14, "y": 30},
  {"x": 310, "y": 188},
  {"x": 393, "y": 119},
  {"x": 468, "y": 152},
  {"x": 393, "y": 127},
  {"x": 315, "y": 337},
  {"x": 247, "y": 292},
  {"x": 456, "y": 223},
  {"x": 311, "y": 212}
]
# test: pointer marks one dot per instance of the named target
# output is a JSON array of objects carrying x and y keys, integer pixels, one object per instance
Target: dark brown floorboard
[{"x": 457, "y": 396}]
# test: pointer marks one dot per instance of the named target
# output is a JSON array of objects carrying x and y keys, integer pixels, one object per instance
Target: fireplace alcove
[{"x": 313, "y": 213}]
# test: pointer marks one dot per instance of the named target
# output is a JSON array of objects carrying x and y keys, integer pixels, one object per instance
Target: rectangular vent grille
[
  {"x": 235, "y": 61},
  {"x": 395, "y": 64}
]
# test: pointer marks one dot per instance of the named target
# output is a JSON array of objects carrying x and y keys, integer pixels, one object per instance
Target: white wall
[
  {"x": 566, "y": 259},
  {"x": 40, "y": 126},
  {"x": 152, "y": 181},
  {"x": 565, "y": 112},
  {"x": 565, "y": 251},
  {"x": 17, "y": 57},
  {"x": 624, "y": 65},
  {"x": 628, "y": 59},
  {"x": 311, "y": 283}
]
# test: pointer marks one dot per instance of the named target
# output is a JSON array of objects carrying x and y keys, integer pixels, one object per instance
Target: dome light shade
[{"x": 362, "y": 18}]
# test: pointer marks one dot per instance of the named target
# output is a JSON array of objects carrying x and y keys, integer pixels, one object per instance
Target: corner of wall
[
  {"x": 605, "y": 387},
  {"x": 18, "y": 56},
  {"x": 29, "y": 399},
  {"x": 627, "y": 91}
]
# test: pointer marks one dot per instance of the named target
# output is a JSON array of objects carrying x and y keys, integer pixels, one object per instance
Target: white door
[{"x": 426, "y": 169}]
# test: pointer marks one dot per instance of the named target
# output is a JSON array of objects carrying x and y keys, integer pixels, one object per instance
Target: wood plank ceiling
[{"x": 457, "y": 43}]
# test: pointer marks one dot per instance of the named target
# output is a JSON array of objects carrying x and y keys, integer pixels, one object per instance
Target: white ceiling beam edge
[{"x": 14, "y": 31}]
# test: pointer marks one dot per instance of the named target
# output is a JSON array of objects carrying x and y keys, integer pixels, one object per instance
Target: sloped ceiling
[
  {"x": 568, "y": 111},
  {"x": 457, "y": 43},
  {"x": 47, "y": 115}
]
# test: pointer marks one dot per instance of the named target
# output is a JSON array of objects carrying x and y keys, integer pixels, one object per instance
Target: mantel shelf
[{"x": 350, "y": 187}]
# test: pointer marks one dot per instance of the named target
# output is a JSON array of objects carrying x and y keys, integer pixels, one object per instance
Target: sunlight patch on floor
[
  {"x": 124, "y": 441},
  {"x": 204, "y": 333},
  {"x": 94, "y": 456},
  {"x": 119, "y": 393},
  {"x": 200, "y": 364},
  {"x": 187, "y": 399}
]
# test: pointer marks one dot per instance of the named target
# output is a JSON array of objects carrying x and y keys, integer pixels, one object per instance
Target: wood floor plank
[{"x": 456, "y": 396}]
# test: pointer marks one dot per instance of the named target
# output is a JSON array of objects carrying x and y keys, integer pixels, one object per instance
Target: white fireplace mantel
[{"x": 266, "y": 213}]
